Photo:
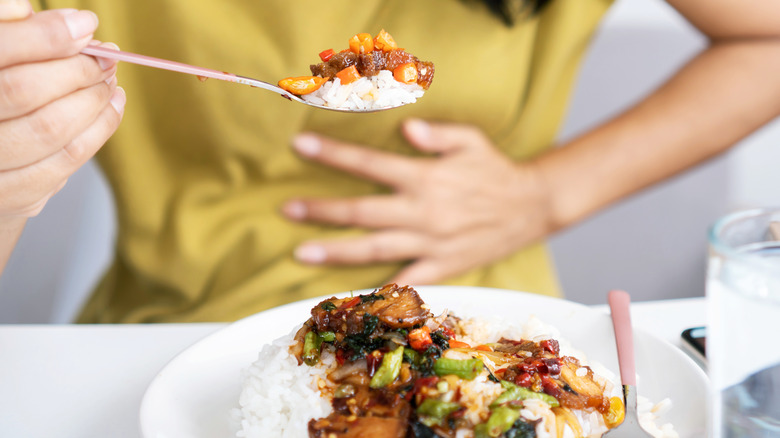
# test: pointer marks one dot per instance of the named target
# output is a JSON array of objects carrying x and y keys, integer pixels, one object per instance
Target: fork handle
[{"x": 619, "y": 304}]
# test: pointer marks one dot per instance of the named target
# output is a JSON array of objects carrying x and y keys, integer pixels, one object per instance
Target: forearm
[
  {"x": 721, "y": 96},
  {"x": 10, "y": 230}
]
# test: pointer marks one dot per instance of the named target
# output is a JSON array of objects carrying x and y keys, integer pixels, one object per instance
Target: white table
[{"x": 86, "y": 381}]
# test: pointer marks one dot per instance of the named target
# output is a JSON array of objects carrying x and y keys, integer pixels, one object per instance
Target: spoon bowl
[{"x": 203, "y": 73}]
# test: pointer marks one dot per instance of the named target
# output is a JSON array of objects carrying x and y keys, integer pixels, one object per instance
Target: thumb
[
  {"x": 11, "y": 10},
  {"x": 443, "y": 138}
]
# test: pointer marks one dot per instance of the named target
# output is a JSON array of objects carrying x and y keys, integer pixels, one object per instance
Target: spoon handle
[
  {"x": 619, "y": 304},
  {"x": 134, "y": 58}
]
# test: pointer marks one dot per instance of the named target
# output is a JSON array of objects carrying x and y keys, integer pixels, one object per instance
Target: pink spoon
[
  {"x": 619, "y": 305},
  {"x": 200, "y": 72}
]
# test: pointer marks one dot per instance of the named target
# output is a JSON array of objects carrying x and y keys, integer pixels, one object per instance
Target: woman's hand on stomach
[
  {"x": 57, "y": 107},
  {"x": 463, "y": 206}
]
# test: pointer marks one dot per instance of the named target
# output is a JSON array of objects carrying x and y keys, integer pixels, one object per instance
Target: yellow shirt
[{"x": 200, "y": 170}]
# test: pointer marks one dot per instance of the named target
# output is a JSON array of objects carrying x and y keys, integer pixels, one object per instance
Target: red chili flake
[
  {"x": 325, "y": 55},
  {"x": 523, "y": 380},
  {"x": 551, "y": 345},
  {"x": 351, "y": 303},
  {"x": 553, "y": 366},
  {"x": 423, "y": 382},
  {"x": 460, "y": 413},
  {"x": 550, "y": 387}
]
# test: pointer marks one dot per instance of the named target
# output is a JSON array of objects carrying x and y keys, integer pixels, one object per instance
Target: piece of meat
[
  {"x": 583, "y": 391},
  {"x": 335, "y": 64},
  {"x": 508, "y": 346},
  {"x": 330, "y": 315},
  {"x": 369, "y": 64},
  {"x": 360, "y": 427},
  {"x": 425, "y": 72},
  {"x": 368, "y": 413},
  {"x": 398, "y": 57},
  {"x": 394, "y": 306},
  {"x": 401, "y": 307}
]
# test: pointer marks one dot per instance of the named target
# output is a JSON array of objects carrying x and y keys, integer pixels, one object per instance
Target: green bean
[
  {"x": 311, "y": 348},
  {"x": 327, "y": 336},
  {"x": 436, "y": 409},
  {"x": 465, "y": 369},
  {"x": 312, "y": 344},
  {"x": 411, "y": 356},
  {"x": 514, "y": 392},
  {"x": 388, "y": 369},
  {"x": 481, "y": 431},
  {"x": 501, "y": 419}
]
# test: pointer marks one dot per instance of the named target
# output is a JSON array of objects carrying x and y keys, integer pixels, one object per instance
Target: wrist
[{"x": 544, "y": 193}]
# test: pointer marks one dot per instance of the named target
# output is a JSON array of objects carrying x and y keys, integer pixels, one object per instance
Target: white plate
[{"x": 193, "y": 395}]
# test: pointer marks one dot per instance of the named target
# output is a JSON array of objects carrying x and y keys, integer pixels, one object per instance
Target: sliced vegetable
[
  {"x": 348, "y": 75},
  {"x": 311, "y": 348},
  {"x": 384, "y": 42},
  {"x": 436, "y": 409},
  {"x": 350, "y": 303},
  {"x": 406, "y": 73},
  {"x": 616, "y": 412},
  {"x": 312, "y": 344},
  {"x": 481, "y": 431},
  {"x": 361, "y": 43},
  {"x": 501, "y": 420},
  {"x": 327, "y": 336},
  {"x": 466, "y": 369},
  {"x": 420, "y": 338},
  {"x": 325, "y": 55},
  {"x": 514, "y": 392},
  {"x": 389, "y": 370},
  {"x": 458, "y": 344},
  {"x": 411, "y": 356},
  {"x": 302, "y": 84},
  {"x": 564, "y": 417}
]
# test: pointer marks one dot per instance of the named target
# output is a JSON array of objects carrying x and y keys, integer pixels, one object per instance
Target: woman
[{"x": 219, "y": 218}]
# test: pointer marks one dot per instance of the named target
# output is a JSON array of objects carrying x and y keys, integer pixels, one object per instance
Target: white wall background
[{"x": 653, "y": 245}]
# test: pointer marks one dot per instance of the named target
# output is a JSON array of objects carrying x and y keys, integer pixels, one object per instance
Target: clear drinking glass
[{"x": 743, "y": 341}]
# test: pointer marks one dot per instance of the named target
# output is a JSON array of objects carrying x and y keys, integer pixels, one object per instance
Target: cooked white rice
[
  {"x": 279, "y": 397},
  {"x": 366, "y": 93}
]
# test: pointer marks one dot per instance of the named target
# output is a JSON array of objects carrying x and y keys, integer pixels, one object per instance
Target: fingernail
[
  {"x": 418, "y": 128},
  {"x": 309, "y": 253},
  {"x": 14, "y": 9},
  {"x": 307, "y": 145},
  {"x": 111, "y": 81},
  {"x": 106, "y": 63},
  {"x": 294, "y": 210},
  {"x": 119, "y": 99},
  {"x": 81, "y": 23}
]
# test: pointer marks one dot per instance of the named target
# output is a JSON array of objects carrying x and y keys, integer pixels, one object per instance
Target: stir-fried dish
[
  {"x": 402, "y": 372},
  {"x": 365, "y": 56}
]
